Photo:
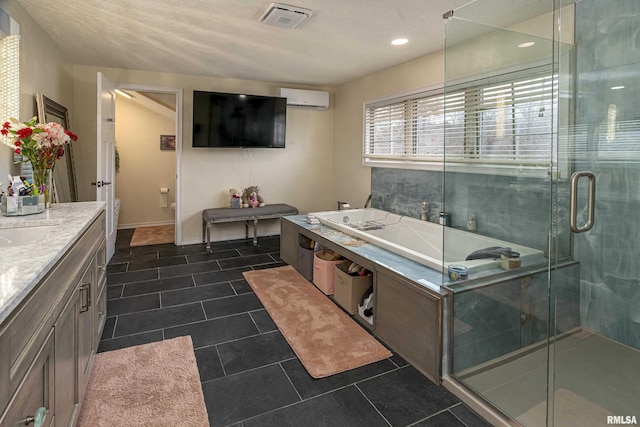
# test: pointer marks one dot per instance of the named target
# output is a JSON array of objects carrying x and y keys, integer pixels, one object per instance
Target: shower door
[{"x": 596, "y": 369}]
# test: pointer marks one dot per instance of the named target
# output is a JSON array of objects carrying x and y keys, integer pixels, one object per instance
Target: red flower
[
  {"x": 71, "y": 135},
  {"x": 17, "y": 151},
  {"x": 24, "y": 133},
  {"x": 4, "y": 131},
  {"x": 6, "y": 125},
  {"x": 17, "y": 143},
  {"x": 60, "y": 152}
]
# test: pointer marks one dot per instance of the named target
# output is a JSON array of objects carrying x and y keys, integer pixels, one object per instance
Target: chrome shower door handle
[{"x": 591, "y": 202}]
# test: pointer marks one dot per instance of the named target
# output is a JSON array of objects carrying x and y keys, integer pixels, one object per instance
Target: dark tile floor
[{"x": 250, "y": 376}]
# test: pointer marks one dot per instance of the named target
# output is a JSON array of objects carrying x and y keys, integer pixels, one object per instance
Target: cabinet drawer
[{"x": 35, "y": 390}]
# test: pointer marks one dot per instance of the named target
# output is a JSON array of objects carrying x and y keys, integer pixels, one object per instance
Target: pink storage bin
[{"x": 323, "y": 272}]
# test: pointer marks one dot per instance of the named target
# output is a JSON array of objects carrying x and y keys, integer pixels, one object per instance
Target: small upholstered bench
[{"x": 219, "y": 215}]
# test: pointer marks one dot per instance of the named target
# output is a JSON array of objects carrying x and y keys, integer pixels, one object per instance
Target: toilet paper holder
[{"x": 164, "y": 197}]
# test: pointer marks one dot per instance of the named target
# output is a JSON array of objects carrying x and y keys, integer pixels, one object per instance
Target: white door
[{"x": 106, "y": 156}]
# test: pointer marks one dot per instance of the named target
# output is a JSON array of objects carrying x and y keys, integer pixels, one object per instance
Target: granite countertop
[
  {"x": 421, "y": 274},
  {"x": 23, "y": 266}
]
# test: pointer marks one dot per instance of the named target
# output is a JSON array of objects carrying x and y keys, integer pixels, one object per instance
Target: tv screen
[{"x": 233, "y": 120}]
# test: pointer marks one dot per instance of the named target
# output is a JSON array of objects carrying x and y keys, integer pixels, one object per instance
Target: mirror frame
[{"x": 48, "y": 108}]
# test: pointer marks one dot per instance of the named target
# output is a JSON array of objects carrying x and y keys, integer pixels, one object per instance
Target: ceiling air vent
[{"x": 284, "y": 16}]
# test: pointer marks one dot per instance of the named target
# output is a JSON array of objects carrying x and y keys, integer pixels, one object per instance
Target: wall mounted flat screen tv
[{"x": 242, "y": 121}]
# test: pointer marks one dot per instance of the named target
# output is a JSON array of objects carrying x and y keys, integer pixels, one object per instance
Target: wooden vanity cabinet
[{"x": 47, "y": 344}]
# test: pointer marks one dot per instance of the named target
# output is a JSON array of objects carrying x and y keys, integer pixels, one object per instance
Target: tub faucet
[
  {"x": 366, "y": 204},
  {"x": 343, "y": 205}
]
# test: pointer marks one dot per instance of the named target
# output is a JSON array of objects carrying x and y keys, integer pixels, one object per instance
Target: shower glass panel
[
  {"x": 538, "y": 92},
  {"x": 502, "y": 172}
]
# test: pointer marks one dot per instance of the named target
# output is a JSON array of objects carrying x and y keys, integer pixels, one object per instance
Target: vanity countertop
[{"x": 23, "y": 266}]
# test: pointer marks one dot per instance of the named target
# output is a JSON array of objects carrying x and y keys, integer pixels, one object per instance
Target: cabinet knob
[{"x": 36, "y": 419}]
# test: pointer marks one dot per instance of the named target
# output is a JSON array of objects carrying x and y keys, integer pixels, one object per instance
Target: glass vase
[{"x": 43, "y": 180}]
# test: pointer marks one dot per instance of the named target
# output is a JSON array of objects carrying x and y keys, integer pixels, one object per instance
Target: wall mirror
[{"x": 64, "y": 177}]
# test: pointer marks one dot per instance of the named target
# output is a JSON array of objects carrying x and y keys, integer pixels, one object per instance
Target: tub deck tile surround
[
  {"x": 242, "y": 357},
  {"x": 421, "y": 274}
]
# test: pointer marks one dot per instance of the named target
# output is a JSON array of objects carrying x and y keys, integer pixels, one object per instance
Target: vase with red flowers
[{"x": 41, "y": 144}]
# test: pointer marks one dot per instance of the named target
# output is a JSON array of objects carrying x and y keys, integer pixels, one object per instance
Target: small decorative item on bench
[
  {"x": 251, "y": 198},
  {"x": 235, "y": 198}
]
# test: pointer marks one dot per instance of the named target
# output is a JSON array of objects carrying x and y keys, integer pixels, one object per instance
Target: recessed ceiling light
[
  {"x": 617, "y": 87},
  {"x": 526, "y": 44},
  {"x": 398, "y": 42}
]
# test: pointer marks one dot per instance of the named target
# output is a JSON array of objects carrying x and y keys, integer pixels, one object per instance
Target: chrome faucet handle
[{"x": 366, "y": 204}]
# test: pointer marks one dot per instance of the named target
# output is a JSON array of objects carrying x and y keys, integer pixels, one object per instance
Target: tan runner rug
[
  {"x": 153, "y": 235},
  {"x": 324, "y": 337},
  {"x": 151, "y": 384}
]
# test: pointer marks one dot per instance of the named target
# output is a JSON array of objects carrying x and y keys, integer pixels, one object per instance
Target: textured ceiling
[{"x": 342, "y": 41}]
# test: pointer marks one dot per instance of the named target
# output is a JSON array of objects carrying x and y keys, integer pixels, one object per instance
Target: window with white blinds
[{"x": 504, "y": 122}]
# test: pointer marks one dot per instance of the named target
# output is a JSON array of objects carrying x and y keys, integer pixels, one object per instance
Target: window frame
[{"x": 469, "y": 87}]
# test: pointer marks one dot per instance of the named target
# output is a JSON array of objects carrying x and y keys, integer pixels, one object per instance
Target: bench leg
[
  {"x": 255, "y": 232},
  {"x": 208, "y": 237}
]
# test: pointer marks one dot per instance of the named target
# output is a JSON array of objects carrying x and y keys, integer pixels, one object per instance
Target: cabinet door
[
  {"x": 408, "y": 319},
  {"x": 86, "y": 343},
  {"x": 66, "y": 332},
  {"x": 35, "y": 391},
  {"x": 100, "y": 316}
]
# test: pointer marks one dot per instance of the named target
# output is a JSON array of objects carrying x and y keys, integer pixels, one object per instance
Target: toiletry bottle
[
  {"x": 471, "y": 222},
  {"x": 424, "y": 210}
]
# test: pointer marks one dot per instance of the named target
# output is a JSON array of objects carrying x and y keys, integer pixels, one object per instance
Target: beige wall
[
  {"x": 353, "y": 181},
  {"x": 321, "y": 164},
  {"x": 301, "y": 174},
  {"x": 144, "y": 168},
  {"x": 42, "y": 70}
]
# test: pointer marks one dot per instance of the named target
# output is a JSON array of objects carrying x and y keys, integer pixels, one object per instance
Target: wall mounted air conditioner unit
[{"x": 309, "y": 99}]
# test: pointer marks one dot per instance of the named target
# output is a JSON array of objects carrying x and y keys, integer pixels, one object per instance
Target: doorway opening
[{"x": 148, "y": 143}]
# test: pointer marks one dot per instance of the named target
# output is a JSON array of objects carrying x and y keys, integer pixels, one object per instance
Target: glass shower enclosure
[{"x": 542, "y": 149}]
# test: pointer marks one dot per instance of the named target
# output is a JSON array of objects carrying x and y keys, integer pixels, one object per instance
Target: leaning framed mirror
[{"x": 64, "y": 177}]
